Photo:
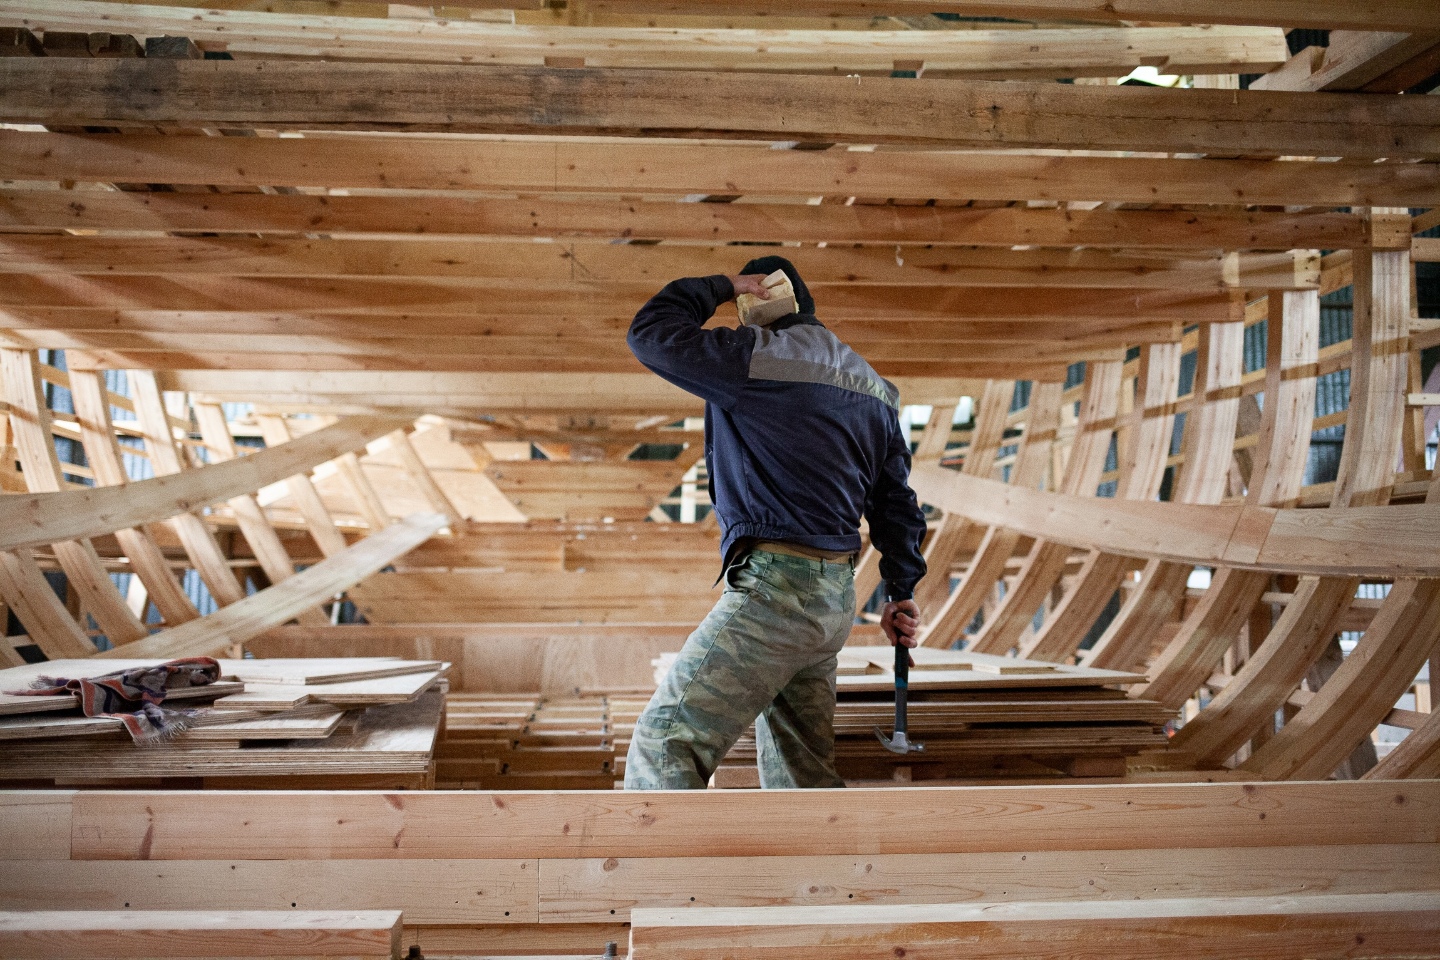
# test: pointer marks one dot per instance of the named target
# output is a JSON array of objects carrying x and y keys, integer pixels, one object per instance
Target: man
[{"x": 802, "y": 437}]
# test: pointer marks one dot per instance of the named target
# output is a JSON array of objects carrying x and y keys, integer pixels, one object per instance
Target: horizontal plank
[
  {"x": 39, "y": 518},
  {"x": 84, "y": 934},
  {"x": 427, "y": 891},
  {"x": 424, "y": 218},
  {"x": 361, "y": 825},
  {"x": 568, "y": 297},
  {"x": 1283, "y": 928},
  {"x": 1391, "y": 541},
  {"x": 37, "y": 825},
  {"x": 1058, "y": 53},
  {"x": 627, "y": 264},
  {"x": 959, "y": 113},
  {"x": 587, "y": 890},
  {"x": 1319, "y": 14},
  {"x": 686, "y": 169},
  {"x": 283, "y": 601}
]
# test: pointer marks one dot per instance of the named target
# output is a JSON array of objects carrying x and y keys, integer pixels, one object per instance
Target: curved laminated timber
[{"x": 313, "y": 361}]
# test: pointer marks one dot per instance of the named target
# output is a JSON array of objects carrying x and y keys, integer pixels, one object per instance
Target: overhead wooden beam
[
  {"x": 426, "y": 218},
  {"x": 35, "y": 519},
  {"x": 957, "y": 113},
  {"x": 600, "y": 263},
  {"x": 686, "y": 169},
  {"x": 1356, "y": 60},
  {"x": 1320, "y": 15},
  {"x": 1105, "y": 51},
  {"x": 258, "y": 612}
]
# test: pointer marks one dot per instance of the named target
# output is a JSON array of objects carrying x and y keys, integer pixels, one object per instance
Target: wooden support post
[
  {"x": 25, "y": 589},
  {"x": 259, "y": 533},
  {"x": 196, "y": 536},
  {"x": 367, "y": 498},
  {"x": 30, "y": 421},
  {"x": 151, "y": 571},
  {"x": 997, "y": 546},
  {"x": 307, "y": 499},
  {"x": 414, "y": 466}
]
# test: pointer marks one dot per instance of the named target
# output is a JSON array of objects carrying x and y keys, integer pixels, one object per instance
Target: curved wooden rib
[
  {"x": 1046, "y": 561},
  {"x": 1292, "y": 348},
  {"x": 50, "y": 625},
  {"x": 1417, "y": 756},
  {"x": 1396, "y": 541},
  {"x": 991, "y": 415},
  {"x": 30, "y": 420},
  {"x": 1209, "y": 437},
  {"x": 273, "y": 606},
  {"x": 1042, "y": 420},
  {"x": 92, "y": 410},
  {"x": 35, "y": 519},
  {"x": 1143, "y": 456},
  {"x": 1404, "y": 631}
]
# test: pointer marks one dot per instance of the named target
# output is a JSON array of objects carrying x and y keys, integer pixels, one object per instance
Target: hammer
[{"x": 900, "y": 743}]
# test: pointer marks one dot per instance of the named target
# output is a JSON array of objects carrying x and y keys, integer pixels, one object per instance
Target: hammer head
[{"x": 899, "y": 743}]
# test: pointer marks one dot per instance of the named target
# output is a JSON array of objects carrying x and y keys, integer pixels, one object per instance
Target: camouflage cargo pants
[{"x": 765, "y": 653}]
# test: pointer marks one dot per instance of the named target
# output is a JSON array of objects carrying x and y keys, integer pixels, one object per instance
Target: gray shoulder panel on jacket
[{"x": 811, "y": 354}]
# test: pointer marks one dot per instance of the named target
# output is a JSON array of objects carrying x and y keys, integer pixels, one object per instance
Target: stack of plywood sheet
[
  {"x": 979, "y": 717},
  {"x": 353, "y": 722},
  {"x": 527, "y": 742}
]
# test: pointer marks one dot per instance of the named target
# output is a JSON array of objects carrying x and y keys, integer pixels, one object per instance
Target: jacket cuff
[
  {"x": 724, "y": 289},
  {"x": 897, "y": 590}
]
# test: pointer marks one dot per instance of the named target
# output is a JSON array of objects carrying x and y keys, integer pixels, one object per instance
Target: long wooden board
[{"x": 446, "y": 98}]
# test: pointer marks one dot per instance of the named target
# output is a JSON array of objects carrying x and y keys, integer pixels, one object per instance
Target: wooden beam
[
  {"x": 31, "y": 426},
  {"x": 686, "y": 169},
  {"x": 303, "y": 494},
  {"x": 959, "y": 113},
  {"x": 247, "y": 618},
  {"x": 422, "y": 477},
  {"x": 37, "y": 934},
  {"x": 25, "y": 590},
  {"x": 1286, "y": 928},
  {"x": 599, "y": 264},
  {"x": 1353, "y": 60},
  {"x": 37, "y": 519},
  {"x": 102, "y": 450},
  {"x": 1320, "y": 15},
  {"x": 425, "y": 218},
  {"x": 1071, "y": 52}
]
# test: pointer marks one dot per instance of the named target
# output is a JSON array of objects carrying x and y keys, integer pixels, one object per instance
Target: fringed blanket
[{"x": 134, "y": 696}]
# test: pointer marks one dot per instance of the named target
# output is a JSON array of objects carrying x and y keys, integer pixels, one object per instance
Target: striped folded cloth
[{"x": 134, "y": 696}]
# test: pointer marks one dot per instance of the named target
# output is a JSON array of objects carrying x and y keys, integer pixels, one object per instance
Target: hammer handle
[{"x": 902, "y": 685}]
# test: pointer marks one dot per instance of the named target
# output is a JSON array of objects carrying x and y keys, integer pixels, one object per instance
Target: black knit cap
[{"x": 768, "y": 265}]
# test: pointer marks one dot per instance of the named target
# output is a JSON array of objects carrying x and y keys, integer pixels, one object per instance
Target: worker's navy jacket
[{"x": 802, "y": 437}]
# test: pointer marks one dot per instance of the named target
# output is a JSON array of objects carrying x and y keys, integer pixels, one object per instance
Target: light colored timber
[
  {"x": 1292, "y": 347},
  {"x": 36, "y": 519},
  {"x": 1418, "y": 755},
  {"x": 425, "y": 295},
  {"x": 1365, "y": 477},
  {"x": 1320, "y": 736},
  {"x": 1352, "y": 60},
  {"x": 260, "y": 534},
  {"x": 222, "y": 825},
  {"x": 960, "y": 113},
  {"x": 944, "y": 544},
  {"x": 1208, "y": 444},
  {"x": 284, "y": 601},
  {"x": 629, "y": 264},
  {"x": 998, "y": 544},
  {"x": 1143, "y": 448},
  {"x": 195, "y": 535},
  {"x": 457, "y": 216},
  {"x": 1321, "y": 14},
  {"x": 30, "y": 426},
  {"x": 995, "y": 53},
  {"x": 28, "y": 594},
  {"x": 1286, "y": 928},
  {"x": 81, "y": 934},
  {"x": 420, "y": 474},
  {"x": 276, "y": 431},
  {"x": 102, "y": 450},
  {"x": 1381, "y": 541},
  {"x": 1045, "y": 563},
  {"x": 684, "y": 169}
]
